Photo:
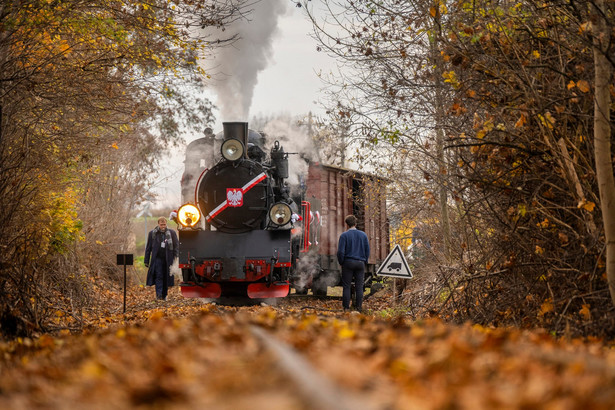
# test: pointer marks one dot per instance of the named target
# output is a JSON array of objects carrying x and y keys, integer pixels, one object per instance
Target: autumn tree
[
  {"x": 91, "y": 93},
  {"x": 519, "y": 165},
  {"x": 528, "y": 69}
]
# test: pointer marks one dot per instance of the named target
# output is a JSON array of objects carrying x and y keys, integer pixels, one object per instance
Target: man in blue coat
[
  {"x": 162, "y": 247},
  {"x": 352, "y": 255}
]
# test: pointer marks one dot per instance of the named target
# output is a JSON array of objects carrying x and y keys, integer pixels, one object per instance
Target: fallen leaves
[{"x": 183, "y": 354}]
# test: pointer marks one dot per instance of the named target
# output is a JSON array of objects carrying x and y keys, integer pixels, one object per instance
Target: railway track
[
  {"x": 316, "y": 390},
  {"x": 368, "y": 294}
]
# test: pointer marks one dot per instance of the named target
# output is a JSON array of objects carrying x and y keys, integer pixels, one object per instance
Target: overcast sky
[{"x": 288, "y": 84}]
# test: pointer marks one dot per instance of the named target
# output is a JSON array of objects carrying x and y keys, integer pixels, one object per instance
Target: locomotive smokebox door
[
  {"x": 233, "y": 197},
  {"x": 236, "y": 130}
]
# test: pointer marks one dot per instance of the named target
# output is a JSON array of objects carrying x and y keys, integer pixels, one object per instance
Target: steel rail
[{"x": 318, "y": 392}]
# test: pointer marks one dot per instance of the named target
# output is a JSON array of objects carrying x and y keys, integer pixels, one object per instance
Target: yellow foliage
[
  {"x": 59, "y": 224},
  {"x": 156, "y": 315},
  {"x": 587, "y": 205},
  {"x": 521, "y": 210},
  {"x": 585, "y": 312},
  {"x": 403, "y": 234},
  {"x": 547, "y": 120},
  {"x": 346, "y": 333},
  {"x": 546, "y": 307},
  {"x": 521, "y": 121},
  {"x": 583, "y": 86},
  {"x": 451, "y": 78}
]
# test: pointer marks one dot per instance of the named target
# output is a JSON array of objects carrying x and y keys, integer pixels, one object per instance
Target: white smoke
[
  {"x": 240, "y": 63},
  {"x": 308, "y": 267},
  {"x": 296, "y": 141},
  {"x": 291, "y": 135},
  {"x": 309, "y": 275}
]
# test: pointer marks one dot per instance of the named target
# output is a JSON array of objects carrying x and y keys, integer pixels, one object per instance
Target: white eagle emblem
[{"x": 234, "y": 197}]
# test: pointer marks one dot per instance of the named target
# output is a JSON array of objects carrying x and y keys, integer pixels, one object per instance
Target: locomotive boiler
[{"x": 235, "y": 228}]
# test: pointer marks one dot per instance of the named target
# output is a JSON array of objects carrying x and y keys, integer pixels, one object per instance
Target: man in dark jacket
[
  {"x": 352, "y": 255},
  {"x": 162, "y": 247}
]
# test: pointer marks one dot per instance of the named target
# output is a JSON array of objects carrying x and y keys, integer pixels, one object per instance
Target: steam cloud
[
  {"x": 307, "y": 269},
  {"x": 294, "y": 140},
  {"x": 241, "y": 62}
]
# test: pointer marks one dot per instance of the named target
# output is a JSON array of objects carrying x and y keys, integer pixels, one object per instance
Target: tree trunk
[
  {"x": 602, "y": 138},
  {"x": 443, "y": 195},
  {"x": 439, "y": 120}
]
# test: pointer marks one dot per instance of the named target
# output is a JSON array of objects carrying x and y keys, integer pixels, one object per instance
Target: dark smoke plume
[{"x": 240, "y": 64}]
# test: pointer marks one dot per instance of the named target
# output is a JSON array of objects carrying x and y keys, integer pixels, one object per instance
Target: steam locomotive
[
  {"x": 236, "y": 239},
  {"x": 245, "y": 230}
]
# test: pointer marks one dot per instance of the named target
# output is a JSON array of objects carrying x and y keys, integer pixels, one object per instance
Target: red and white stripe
[{"x": 251, "y": 184}]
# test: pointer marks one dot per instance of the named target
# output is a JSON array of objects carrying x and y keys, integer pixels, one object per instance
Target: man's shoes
[{"x": 346, "y": 310}]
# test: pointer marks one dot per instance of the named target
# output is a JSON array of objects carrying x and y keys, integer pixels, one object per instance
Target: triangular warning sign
[{"x": 395, "y": 265}]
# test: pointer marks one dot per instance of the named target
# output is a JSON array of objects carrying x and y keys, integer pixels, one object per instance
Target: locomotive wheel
[{"x": 301, "y": 291}]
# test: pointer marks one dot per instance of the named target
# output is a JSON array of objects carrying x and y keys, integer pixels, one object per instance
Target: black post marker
[{"x": 124, "y": 259}]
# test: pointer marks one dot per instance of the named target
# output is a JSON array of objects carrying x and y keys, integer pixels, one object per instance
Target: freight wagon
[{"x": 331, "y": 193}]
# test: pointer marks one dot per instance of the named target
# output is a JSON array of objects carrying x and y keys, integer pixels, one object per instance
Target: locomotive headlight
[
  {"x": 280, "y": 213},
  {"x": 188, "y": 215},
  {"x": 232, "y": 149}
]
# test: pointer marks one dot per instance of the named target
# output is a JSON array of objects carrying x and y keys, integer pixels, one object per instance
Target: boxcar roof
[{"x": 352, "y": 171}]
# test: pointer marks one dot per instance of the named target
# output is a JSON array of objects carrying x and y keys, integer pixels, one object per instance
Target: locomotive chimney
[{"x": 237, "y": 130}]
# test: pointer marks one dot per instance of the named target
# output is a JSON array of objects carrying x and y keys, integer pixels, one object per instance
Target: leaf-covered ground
[{"x": 188, "y": 354}]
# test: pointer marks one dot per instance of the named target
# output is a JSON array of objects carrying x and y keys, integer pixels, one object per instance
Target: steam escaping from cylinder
[
  {"x": 238, "y": 65},
  {"x": 306, "y": 270}
]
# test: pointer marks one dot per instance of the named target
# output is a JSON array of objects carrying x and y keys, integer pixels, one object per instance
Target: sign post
[
  {"x": 395, "y": 266},
  {"x": 124, "y": 259}
]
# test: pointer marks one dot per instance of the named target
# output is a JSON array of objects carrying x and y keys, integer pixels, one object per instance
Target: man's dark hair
[{"x": 351, "y": 221}]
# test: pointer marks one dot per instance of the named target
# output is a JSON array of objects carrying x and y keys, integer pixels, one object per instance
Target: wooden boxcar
[{"x": 332, "y": 193}]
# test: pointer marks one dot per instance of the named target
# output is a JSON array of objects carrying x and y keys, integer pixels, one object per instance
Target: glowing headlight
[
  {"x": 280, "y": 213},
  {"x": 188, "y": 215},
  {"x": 232, "y": 149}
]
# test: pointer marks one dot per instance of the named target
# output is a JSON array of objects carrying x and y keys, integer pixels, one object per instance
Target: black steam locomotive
[{"x": 235, "y": 232}]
